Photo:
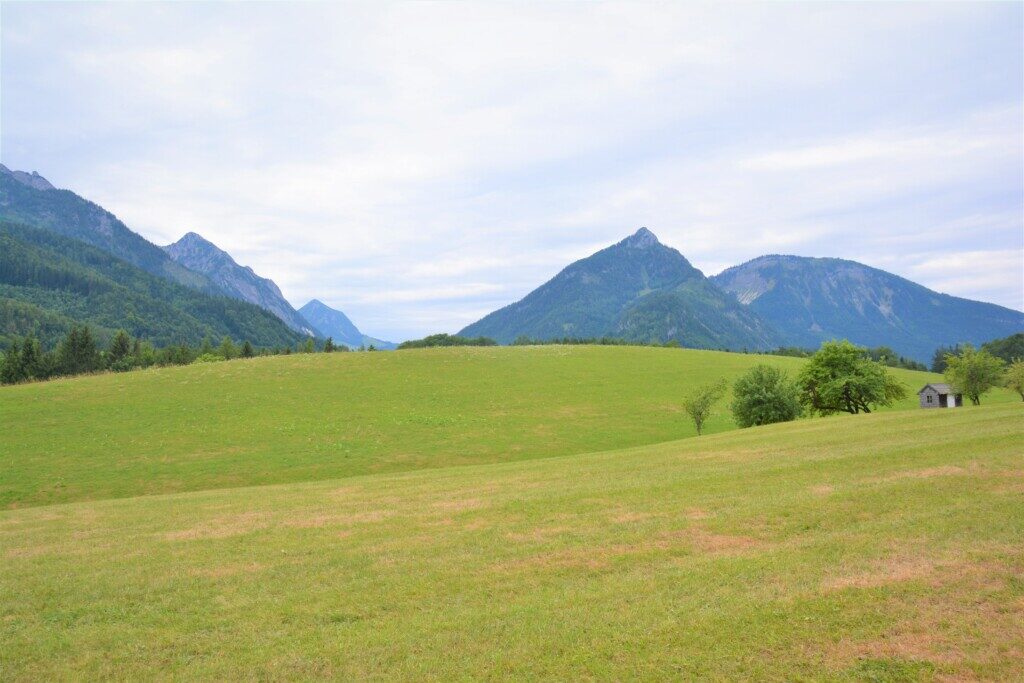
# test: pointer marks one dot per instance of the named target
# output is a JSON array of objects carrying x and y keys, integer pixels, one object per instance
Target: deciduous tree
[
  {"x": 700, "y": 403},
  {"x": 974, "y": 373},
  {"x": 840, "y": 377},
  {"x": 1015, "y": 377}
]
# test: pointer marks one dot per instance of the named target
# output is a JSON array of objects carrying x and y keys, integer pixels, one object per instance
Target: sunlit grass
[
  {"x": 879, "y": 547},
  {"x": 310, "y": 417}
]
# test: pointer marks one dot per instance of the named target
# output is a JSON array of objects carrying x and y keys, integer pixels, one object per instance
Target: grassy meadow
[
  {"x": 313, "y": 417},
  {"x": 880, "y": 547}
]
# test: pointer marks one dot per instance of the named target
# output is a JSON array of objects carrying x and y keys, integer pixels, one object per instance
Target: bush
[
  {"x": 208, "y": 358},
  {"x": 765, "y": 395}
]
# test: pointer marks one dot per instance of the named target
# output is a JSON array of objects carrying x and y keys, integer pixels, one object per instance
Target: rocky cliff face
[
  {"x": 240, "y": 282},
  {"x": 33, "y": 179}
]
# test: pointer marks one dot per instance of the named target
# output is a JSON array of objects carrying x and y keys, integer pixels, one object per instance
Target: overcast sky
[{"x": 418, "y": 165}]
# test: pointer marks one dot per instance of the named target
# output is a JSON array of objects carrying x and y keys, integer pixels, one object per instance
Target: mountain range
[
  {"x": 66, "y": 260},
  {"x": 89, "y": 267},
  {"x": 638, "y": 289},
  {"x": 641, "y": 290},
  {"x": 811, "y": 300},
  {"x": 239, "y": 282}
]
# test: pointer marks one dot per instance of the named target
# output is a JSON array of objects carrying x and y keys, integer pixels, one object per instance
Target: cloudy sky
[{"x": 420, "y": 164}]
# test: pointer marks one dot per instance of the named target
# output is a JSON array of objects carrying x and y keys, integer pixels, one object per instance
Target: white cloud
[{"x": 417, "y": 163}]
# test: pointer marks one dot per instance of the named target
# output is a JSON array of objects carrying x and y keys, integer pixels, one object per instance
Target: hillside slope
[
  {"x": 239, "y": 282},
  {"x": 319, "y": 416},
  {"x": 30, "y": 199},
  {"x": 637, "y": 289},
  {"x": 810, "y": 300},
  {"x": 49, "y": 282},
  {"x": 885, "y": 547}
]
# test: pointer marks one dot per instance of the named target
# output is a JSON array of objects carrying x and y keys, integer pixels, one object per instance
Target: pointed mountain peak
[
  {"x": 641, "y": 239},
  {"x": 194, "y": 239}
]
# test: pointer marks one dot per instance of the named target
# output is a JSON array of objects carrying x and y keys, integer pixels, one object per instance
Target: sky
[{"x": 418, "y": 165}]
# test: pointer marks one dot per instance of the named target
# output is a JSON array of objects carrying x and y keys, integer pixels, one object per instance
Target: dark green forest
[{"x": 49, "y": 282}]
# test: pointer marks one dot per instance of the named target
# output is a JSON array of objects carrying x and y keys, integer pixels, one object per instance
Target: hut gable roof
[{"x": 939, "y": 387}]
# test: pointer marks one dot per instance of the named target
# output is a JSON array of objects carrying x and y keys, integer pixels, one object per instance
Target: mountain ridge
[
  {"x": 68, "y": 214},
  {"x": 813, "y": 299},
  {"x": 330, "y": 322},
  {"x": 637, "y": 289},
  {"x": 200, "y": 255}
]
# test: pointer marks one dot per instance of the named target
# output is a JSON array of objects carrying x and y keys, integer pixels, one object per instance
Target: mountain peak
[
  {"x": 194, "y": 239},
  {"x": 641, "y": 239},
  {"x": 33, "y": 179}
]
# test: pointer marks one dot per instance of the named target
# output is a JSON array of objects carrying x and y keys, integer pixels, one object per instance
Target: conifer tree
[
  {"x": 120, "y": 347},
  {"x": 11, "y": 371}
]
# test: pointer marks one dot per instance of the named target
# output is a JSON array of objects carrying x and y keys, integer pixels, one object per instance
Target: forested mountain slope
[
  {"x": 49, "y": 281},
  {"x": 638, "y": 289},
  {"x": 30, "y": 199},
  {"x": 239, "y": 282},
  {"x": 810, "y": 300}
]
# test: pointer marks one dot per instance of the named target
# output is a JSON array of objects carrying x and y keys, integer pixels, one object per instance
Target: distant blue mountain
[
  {"x": 810, "y": 300},
  {"x": 329, "y": 322}
]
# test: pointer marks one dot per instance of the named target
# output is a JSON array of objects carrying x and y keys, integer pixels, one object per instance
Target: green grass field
[
  {"x": 312, "y": 417},
  {"x": 876, "y": 547}
]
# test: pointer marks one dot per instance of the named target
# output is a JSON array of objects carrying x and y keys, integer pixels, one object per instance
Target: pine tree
[
  {"x": 247, "y": 351},
  {"x": 32, "y": 359},
  {"x": 329, "y": 345},
  {"x": 120, "y": 348},
  {"x": 11, "y": 371},
  {"x": 77, "y": 352}
]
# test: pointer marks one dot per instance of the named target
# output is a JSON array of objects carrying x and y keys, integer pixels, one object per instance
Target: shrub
[{"x": 765, "y": 395}]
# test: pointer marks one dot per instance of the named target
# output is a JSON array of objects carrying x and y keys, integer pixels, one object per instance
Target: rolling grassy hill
[
  {"x": 878, "y": 547},
  {"x": 309, "y": 417}
]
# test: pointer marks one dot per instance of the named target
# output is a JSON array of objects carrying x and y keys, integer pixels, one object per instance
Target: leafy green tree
[
  {"x": 700, "y": 403},
  {"x": 939, "y": 358},
  {"x": 308, "y": 346},
  {"x": 228, "y": 349},
  {"x": 447, "y": 340},
  {"x": 206, "y": 347},
  {"x": 1015, "y": 377},
  {"x": 1009, "y": 348},
  {"x": 973, "y": 372},
  {"x": 840, "y": 377},
  {"x": 247, "y": 350},
  {"x": 765, "y": 395}
]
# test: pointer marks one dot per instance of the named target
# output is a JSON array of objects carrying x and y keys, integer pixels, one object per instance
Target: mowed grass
[
  {"x": 879, "y": 547},
  {"x": 311, "y": 417}
]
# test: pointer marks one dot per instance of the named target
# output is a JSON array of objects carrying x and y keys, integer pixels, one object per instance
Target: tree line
[
  {"x": 79, "y": 352},
  {"x": 842, "y": 378}
]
